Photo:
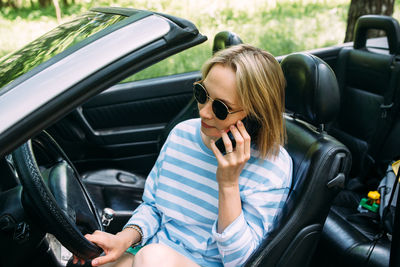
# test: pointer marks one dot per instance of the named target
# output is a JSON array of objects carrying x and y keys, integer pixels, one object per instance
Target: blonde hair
[{"x": 260, "y": 84}]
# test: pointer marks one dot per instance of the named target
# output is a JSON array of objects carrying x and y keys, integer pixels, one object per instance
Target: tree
[
  {"x": 58, "y": 10},
  {"x": 364, "y": 7},
  {"x": 44, "y": 3}
]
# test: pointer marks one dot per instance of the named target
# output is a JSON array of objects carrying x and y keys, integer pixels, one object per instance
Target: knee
[{"x": 152, "y": 255}]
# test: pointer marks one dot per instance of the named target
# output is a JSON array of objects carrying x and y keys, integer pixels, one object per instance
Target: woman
[{"x": 203, "y": 207}]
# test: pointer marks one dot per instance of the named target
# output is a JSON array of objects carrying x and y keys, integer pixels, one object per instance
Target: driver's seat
[{"x": 320, "y": 163}]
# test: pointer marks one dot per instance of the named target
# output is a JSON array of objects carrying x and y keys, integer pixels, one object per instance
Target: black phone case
[{"x": 252, "y": 127}]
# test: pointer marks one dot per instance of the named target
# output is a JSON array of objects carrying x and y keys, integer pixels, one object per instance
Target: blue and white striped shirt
[{"x": 180, "y": 200}]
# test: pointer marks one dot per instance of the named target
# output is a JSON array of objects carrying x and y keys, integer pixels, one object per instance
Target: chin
[{"x": 212, "y": 133}]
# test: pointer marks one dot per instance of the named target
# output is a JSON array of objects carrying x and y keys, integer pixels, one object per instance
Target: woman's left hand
[{"x": 231, "y": 164}]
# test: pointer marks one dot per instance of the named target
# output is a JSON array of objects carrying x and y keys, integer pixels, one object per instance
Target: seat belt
[{"x": 389, "y": 108}]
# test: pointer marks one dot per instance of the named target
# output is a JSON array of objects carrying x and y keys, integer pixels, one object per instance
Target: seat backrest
[
  {"x": 367, "y": 81},
  {"x": 320, "y": 163},
  {"x": 221, "y": 41}
]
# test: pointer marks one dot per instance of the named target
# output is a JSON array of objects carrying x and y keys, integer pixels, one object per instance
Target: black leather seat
[
  {"x": 369, "y": 83},
  {"x": 121, "y": 190},
  {"x": 367, "y": 80},
  {"x": 320, "y": 163}
]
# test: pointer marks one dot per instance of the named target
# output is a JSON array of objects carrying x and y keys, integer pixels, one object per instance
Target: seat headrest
[
  {"x": 378, "y": 22},
  {"x": 224, "y": 40},
  {"x": 312, "y": 91}
]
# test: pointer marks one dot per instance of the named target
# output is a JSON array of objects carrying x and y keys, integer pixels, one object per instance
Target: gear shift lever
[{"x": 107, "y": 216}]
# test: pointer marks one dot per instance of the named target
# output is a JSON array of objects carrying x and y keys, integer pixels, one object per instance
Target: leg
[
  {"x": 126, "y": 260},
  {"x": 161, "y": 255}
]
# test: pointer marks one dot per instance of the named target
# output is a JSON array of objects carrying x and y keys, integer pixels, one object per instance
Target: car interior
[
  {"x": 320, "y": 164},
  {"x": 342, "y": 123},
  {"x": 344, "y": 105},
  {"x": 367, "y": 124}
]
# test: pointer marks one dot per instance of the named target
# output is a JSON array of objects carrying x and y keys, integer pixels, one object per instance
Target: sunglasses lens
[
  {"x": 199, "y": 93},
  {"x": 220, "y": 110}
]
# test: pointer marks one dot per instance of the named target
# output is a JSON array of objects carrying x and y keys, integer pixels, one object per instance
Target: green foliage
[{"x": 279, "y": 26}]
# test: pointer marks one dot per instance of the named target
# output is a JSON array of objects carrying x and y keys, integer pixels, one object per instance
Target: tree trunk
[
  {"x": 11, "y": 3},
  {"x": 58, "y": 10},
  {"x": 44, "y": 3},
  {"x": 364, "y": 7}
]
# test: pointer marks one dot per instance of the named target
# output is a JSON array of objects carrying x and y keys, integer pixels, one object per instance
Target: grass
[{"x": 280, "y": 26}]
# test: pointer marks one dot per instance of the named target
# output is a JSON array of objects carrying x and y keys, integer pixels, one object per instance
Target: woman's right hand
[{"x": 113, "y": 245}]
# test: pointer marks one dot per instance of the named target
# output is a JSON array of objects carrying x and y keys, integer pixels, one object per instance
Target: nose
[{"x": 205, "y": 110}]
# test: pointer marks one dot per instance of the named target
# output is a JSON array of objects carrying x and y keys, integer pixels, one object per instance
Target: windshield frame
[
  {"x": 42, "y": 89},
  {"x": 14, "y": 81}
]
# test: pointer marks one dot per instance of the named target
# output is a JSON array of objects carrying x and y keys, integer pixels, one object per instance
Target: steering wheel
[{"x": 56, "y": 196}]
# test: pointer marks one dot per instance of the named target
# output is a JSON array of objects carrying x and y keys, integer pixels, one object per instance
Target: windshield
[{"x": 53, "y": 43}]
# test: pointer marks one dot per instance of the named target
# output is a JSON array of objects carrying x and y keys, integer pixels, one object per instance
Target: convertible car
[{"x": 78, "y": 135}]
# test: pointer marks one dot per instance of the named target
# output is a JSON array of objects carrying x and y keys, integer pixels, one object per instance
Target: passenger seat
[
  {"x": 367, "y": 124},
  {"x": 368, "y": 81}
]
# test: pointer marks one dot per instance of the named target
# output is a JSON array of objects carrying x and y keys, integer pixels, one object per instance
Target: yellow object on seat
[{"x": 374, "y": 195}]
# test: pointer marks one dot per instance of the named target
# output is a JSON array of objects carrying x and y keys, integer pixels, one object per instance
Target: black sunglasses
[{"x": 219, "y": 108}]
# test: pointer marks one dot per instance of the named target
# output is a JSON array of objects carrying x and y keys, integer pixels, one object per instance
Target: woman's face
[{"x": 220, "y": 83}]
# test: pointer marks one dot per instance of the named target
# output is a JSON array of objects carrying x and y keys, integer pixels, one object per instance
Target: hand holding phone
[{"x": 252, "y": 127}]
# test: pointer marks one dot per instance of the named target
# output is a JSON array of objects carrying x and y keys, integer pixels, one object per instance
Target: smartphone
[{"x": 252, "y": 127}]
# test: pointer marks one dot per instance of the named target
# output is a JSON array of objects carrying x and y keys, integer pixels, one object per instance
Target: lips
[{"x": 205, "y": 125}]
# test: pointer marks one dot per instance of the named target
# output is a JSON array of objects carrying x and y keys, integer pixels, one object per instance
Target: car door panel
[{"x": 120, "y": 127}]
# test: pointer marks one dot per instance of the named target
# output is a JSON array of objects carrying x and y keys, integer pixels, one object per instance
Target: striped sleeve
[
  {"x": 147, "y": 216},
  {"x": 260, "y": 205}
]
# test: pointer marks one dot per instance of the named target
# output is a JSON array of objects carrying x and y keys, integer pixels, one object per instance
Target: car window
[
  {"x": 53, "y": 43},
  {"x": 185, "y": 61}
]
